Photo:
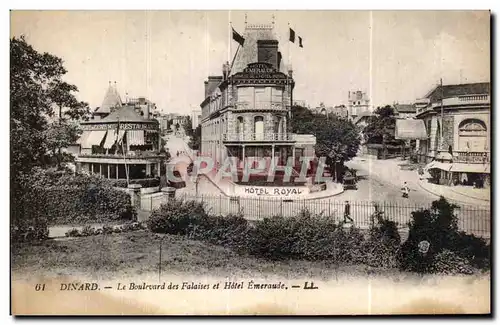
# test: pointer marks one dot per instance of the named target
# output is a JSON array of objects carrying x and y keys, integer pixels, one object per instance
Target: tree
[
  {"x": 381, "y": 128},
  {"x": 302, "y": 119},
  {"x": 187, "y": 125},
  {"x": 336, "y": 139},
  {"x": 36, "y": 90},
  {"x": 195, "y": 140}
]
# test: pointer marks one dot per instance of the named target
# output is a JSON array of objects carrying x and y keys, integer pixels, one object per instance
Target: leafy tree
[
  {"x": 37, "y": 91},
  {"x": 187, "y": 125},
  {"x": 195, "y": 140},
  {"x": 381, "y": 126},
  {"x": 336, "y": 139},
  {"x": 302, "y": 120}
]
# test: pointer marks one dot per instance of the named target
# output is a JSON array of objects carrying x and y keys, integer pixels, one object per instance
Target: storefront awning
[
  {"x": 410, "y": 130},
  {"x": 94, "y": 138},
  {"x": 83, "y": 138},
  {"x": 121, "y": 133},
  {"x": 110, "y": 139},
  {"x": 438, "y": 165},
  {"x": 135, "y": 137},
  {"x": 470, "y": 168}
]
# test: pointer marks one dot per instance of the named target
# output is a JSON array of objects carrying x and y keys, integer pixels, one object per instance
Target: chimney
[
  {"x": 267, "y": 51},
  {"x": 211, "y": 84}
]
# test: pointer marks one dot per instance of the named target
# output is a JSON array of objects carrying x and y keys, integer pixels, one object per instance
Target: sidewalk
[
  {"x": 390, "y": 171},
  {"x": 463, "y": 195}
]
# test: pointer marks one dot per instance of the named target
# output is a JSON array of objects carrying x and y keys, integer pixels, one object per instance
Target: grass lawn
[{"x": 137, "y": 253}]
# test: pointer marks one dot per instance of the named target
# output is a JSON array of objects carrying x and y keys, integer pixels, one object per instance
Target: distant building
[
  {"x": 196, "y": 118},
  {"x": 358, "y": 102},
  {"x": 339, "y": 110},
  {"x": 404, "y": 111}
]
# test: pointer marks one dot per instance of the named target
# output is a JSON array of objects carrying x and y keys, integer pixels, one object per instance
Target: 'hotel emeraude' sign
[{"x": 260, "y": 70}]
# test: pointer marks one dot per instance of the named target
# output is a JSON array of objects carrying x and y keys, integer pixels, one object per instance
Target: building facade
[
  {"x": 122, "y": 144},
  {"x": 457, "y": 122},
  {"x": 246, "y": 110},
  {"x": 357, "y": 103}
]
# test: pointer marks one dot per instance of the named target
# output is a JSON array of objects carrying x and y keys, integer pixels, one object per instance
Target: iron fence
[{"x": 471, "y": 219}]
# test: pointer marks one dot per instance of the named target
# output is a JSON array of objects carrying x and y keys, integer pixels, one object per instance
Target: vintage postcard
[{"x": 250, "y": 162}]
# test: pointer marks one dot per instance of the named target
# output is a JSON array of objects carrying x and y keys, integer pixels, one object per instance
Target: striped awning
[
  {"x": 135, "y": 137},
  {"x": 94, "y": 138},
  {"x": 83, "y": 138},
  {"x": 438, "y": 165},
  {"x": 119, "y": 138},
  {"x": 110, "y": 139}
]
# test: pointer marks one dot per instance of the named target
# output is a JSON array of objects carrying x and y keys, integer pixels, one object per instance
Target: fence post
[{"x": 281, "y": 206}]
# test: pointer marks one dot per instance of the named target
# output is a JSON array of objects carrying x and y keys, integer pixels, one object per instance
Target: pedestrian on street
[
  {"x": 405, "y": 190},
  {"x": 347, "y": 212}
]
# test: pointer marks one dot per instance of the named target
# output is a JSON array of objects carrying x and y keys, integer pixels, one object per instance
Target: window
[
  {"x": 239, "y": 125},
  {"x": 259, "y": 127},
  {"x": 262, "y": 95},
  {"x": 276, "y": 95}
]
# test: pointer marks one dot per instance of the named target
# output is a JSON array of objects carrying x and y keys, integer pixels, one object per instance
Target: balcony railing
[
  {"x": 260, "y": 106},
  {"x": 471, "y": 157},
  {"x": 257, "y": 137}
]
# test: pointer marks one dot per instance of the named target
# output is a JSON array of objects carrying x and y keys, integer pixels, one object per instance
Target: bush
[
  {"x": 177, "y": 217},
  {"x": 230, "y": 231},
  {"x": 438, "y": 226},
  {"x": 88, "y": 231},
  {"x": 382, "y": 246},
  {"x": 448, "y": 262},
  {"x": 304, "y": 236},
  {"x": 73, "y": 233}
]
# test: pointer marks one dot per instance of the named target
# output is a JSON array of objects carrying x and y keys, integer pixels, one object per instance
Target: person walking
[
  {"x": 406, "y": 190},
  {"x": 347, "y": 212}
]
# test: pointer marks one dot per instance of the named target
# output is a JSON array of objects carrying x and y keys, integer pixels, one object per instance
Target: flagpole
[
  {"x": 123, "y": 152},
  {"x": 229, "y": 37}
]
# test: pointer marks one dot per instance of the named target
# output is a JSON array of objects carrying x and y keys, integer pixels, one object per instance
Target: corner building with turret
[{"x": 246, "y": 110}]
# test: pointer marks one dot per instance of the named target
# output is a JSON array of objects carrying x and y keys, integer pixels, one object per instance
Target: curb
[
  {"x": 305, "y": 199},
  {"x": 438, "y": 195},
  {"x": 472, "y": 197}
]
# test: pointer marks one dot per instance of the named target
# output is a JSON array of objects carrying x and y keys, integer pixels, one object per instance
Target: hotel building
[{"x": 246, "y": 111}]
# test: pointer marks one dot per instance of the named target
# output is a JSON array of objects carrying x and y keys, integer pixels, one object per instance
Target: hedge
[{"x": 316, "y": 237}]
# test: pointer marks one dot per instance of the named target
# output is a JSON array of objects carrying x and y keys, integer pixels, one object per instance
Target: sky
[{"x": 394, "y": 56}]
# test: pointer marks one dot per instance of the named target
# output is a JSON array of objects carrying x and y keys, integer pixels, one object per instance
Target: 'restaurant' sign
[
  {"x": 123, "y": 126},
  {"x": 271, "y": 191}
]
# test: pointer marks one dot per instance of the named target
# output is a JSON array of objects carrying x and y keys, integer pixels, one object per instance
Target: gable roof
[
  {"x": 111, "y": 99},
  {"x": 122, "y": 114},
  {"x": 405, "y": 108},
  {"x": 448, "y": 91}
]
